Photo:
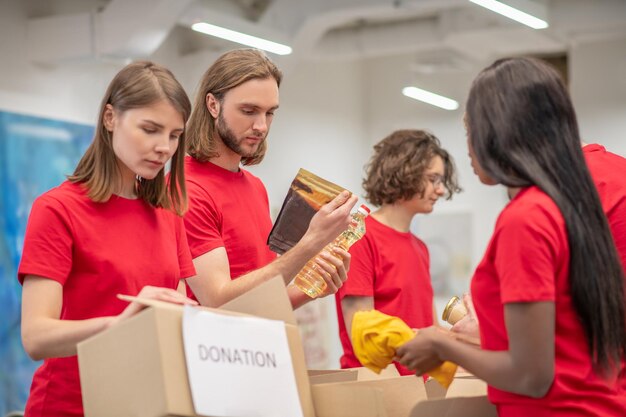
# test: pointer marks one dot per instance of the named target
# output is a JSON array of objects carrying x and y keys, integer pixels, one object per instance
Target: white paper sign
[{"x": 239, "y": 366}]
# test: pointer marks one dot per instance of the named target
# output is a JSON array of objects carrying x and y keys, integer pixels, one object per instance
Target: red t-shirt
[
  {"x": 96, "y": 251},
  {"x": 392, "y": 267},
  {"x": 609, "y": 174},
  {"x": 527, "y": 260},
  {"x": 227, "y": 209},
  {"x": 608, "y": 171}
]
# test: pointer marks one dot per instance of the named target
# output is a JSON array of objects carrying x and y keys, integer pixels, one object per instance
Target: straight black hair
[{"x": 523, "y": 130}]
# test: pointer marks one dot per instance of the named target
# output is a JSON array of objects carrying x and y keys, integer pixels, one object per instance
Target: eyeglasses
[{"x": 435, "y": 180}]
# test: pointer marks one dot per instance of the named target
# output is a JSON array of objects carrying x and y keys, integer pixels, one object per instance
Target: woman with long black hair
[{"x": 549, "y": 292}]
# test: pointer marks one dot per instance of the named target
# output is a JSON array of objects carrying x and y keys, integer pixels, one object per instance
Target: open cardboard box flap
[
  {"x": 352, "y": 374},
  {"x": 398, "y": 396},
  {"x": 138, "y": 368},
  {"x": 269, "y": 301}
]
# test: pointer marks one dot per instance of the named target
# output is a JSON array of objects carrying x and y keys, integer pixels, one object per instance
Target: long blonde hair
[
  {"x": 229, "y": 71},
  {"x": 138, "y": 84}
]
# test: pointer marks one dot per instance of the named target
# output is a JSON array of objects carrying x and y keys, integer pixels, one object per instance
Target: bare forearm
[
  {"x": 54, "y": 338},
  {"x": 239, "y": 286},
  {"x": 297, "y": 297},
  {"x": 497, "y": 368},
  {"x": 213, "y": 285},
  {"x": 351, "y": 304},
  {"x": 287, "y": 265},
  {"x": 526, "y": 367},
  {"x": 291, "y": 262}
]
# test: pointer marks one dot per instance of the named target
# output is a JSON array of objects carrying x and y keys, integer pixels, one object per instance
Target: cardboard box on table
[
  {"x": 358, "y": 392},
  {"x": 353, "y": 374},
  {"x": 138, "y": 368}
]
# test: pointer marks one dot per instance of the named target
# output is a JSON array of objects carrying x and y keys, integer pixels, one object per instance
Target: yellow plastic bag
[{"x": 375, "y": 338}]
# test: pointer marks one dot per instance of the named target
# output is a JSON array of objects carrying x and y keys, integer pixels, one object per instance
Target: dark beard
[{"x": 229, "y": 139}]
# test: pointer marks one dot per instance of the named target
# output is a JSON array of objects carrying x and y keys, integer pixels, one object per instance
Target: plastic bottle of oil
[{"x": 309, "y": 280}]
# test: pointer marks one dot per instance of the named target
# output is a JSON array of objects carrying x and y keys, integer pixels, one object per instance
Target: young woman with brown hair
[{"x": 113, "y": 228}]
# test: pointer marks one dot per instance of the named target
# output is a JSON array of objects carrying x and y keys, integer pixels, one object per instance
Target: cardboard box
[
  {"x": 138, "y": 368},
  {"x": 353, "y": 374},
  {"x": 344, "y": 394}
]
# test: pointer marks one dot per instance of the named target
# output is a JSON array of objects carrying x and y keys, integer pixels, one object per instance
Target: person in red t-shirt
[
  {"x": 389, "y": 272},
  {"x": 228, "y": 221},
  {"x": 606, "y": 169},
  {"x": 114, "y": 227},
  {"x": 549, "y": 292}
]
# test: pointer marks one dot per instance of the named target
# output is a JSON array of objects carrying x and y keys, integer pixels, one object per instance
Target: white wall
[
  {"x": 319, "y": 127},
  {"x": 388, "y": 110},
  {"x": 598, "y": 88},
  {"x": 68, "y": 91}
]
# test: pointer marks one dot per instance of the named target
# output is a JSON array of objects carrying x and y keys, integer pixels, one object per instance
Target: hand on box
[
  {"x": 333, "y": 269},
  {"x": 152, "y": 293},
  {"x": 419, "y": 354},
  {"x": 331, "y": 219}
]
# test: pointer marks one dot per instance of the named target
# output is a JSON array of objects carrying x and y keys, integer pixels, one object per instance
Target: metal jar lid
[{"x": 448, "y": 308}]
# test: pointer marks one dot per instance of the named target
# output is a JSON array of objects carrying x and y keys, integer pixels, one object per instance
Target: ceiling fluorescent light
[
  {"x": 512, "y": 13},
  {"x": 430, "y": 98},
  {"x": 242, "y": 38}
]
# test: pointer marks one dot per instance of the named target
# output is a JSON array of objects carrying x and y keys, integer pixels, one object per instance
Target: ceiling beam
[
  {"x": 136, "y": 28},
  {"x": 124, "y": 29}
]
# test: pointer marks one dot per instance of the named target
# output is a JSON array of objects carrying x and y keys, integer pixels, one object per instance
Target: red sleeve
[
  {"x": 361, "y": 275},
  {"x": 184, "y": 255},
  {"x": 203, "y": 222},
  {"x": 426, "y": 253},
  {"x": 617, "y": 223},
  {"x": 607, "y": 170},
  {"x": 48, "y": 242},
  {"x": 527, "y": 256}
]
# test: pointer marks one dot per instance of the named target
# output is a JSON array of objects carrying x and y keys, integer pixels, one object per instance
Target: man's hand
[
  {"x": 333, "y": 269},
  {"x": 330, "y": 221}
]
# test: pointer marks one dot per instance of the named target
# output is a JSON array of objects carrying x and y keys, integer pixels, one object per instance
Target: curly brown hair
[{"x": 396, "y": 170}]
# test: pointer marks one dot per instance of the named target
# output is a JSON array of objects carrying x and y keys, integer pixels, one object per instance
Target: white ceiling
[{"x": 443, "y": 35}]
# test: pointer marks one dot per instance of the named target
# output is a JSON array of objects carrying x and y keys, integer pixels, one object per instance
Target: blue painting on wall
[{"x": 35, "y": 155}]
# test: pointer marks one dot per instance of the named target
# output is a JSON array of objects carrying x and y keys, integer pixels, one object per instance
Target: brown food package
[{"x": 306, "y": 195}]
